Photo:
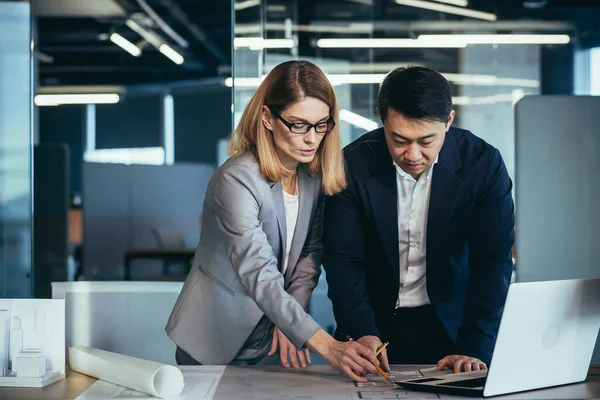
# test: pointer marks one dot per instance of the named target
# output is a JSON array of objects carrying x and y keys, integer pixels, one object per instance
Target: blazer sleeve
[
  {"x": 344, "y": 262},
  {"x": 490, "y": 242},
  {"x": 236, "y": 200},
  {"x": 308, "y": 268}
]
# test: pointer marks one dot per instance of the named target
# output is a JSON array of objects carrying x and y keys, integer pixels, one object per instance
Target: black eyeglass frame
[{"x": 308, "y": 126}]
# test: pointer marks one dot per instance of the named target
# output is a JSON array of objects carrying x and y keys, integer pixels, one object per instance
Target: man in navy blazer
[{"x": 417, "y": 248}]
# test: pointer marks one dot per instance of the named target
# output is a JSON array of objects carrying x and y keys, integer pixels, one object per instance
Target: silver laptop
[{"x": 546, "y": 338}]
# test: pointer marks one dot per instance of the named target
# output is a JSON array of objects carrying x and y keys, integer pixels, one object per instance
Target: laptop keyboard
[{"x": 467, "y": 383}]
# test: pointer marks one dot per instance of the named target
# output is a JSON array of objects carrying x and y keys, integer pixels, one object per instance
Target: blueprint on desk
[{"x": 318, "y": 382}]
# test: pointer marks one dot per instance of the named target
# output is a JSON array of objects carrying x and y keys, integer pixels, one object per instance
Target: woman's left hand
[{"x": 287, "y": 349}]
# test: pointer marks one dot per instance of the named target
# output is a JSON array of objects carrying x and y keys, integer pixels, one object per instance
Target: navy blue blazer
[{"x": 470, "y": 233}]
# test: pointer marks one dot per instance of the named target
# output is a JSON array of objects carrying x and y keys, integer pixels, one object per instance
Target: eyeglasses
[{"x": 301, "y": 128}]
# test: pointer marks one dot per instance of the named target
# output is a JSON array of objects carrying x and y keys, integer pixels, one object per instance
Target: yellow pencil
[
  {"x": 379, "y": 350},
  {"x": 382, "y": 372}
]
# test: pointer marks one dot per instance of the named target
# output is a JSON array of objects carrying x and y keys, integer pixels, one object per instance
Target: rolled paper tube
[{"x": 160, "y": 380}]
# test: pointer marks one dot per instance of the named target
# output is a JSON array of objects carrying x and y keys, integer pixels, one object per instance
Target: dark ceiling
[
  {"x": 75, "y": 50},
  {"x": 80, "y": 53}
]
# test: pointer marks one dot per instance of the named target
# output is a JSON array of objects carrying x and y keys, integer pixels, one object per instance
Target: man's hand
[
  {"x": 287, "y": 349},
  {"x": 461, "y": 363},
  {"x": 350, "y": 358},
  {"x": 373, "y": 343}
]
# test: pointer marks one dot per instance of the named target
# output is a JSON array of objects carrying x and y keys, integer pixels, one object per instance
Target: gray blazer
[{"x": 235, "y": 277}]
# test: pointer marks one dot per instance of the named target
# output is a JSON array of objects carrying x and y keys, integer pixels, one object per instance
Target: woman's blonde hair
[{"x": 286, "y": 84}]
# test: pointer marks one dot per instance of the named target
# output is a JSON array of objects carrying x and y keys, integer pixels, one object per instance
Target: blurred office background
[{"x": 115, "y": 113}]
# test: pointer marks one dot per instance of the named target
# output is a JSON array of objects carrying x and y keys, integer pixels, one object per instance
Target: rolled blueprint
[{"x": 150, "y": 377}]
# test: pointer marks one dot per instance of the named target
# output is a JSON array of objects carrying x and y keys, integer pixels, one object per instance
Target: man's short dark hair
[{"x": 416, "y": 93}]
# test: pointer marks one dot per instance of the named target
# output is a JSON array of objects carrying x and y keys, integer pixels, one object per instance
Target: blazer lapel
[
  {"x": 383, "y": 195},
  {"x": 306, "y": 197},
  {"x": 445, "y": 187},
  {"x": 277, "y": 193}
]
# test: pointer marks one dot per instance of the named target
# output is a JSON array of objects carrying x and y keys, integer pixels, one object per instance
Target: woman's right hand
[{"x": 350, "y": 358}]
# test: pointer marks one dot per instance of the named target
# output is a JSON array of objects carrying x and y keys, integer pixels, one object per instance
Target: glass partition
[
  {"x": 595, "y": 71},
  {"x": 15, "y": 150},
  {"x": 358, "y": 42},
  {"x": 248, "y": 53}
]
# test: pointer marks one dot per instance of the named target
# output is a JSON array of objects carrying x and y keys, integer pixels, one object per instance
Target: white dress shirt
[
  {"x": 290, "y": 201},
  {"x": 413, "y": 208}
]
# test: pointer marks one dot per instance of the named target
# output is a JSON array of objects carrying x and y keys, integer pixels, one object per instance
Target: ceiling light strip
[{"x": 428, "y": 5}]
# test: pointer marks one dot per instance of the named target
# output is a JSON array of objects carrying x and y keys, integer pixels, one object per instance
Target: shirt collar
[{"x": 425, "y": 176}]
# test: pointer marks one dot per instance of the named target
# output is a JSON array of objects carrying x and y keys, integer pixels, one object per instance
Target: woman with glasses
[{"x": 259, "y": 254}]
